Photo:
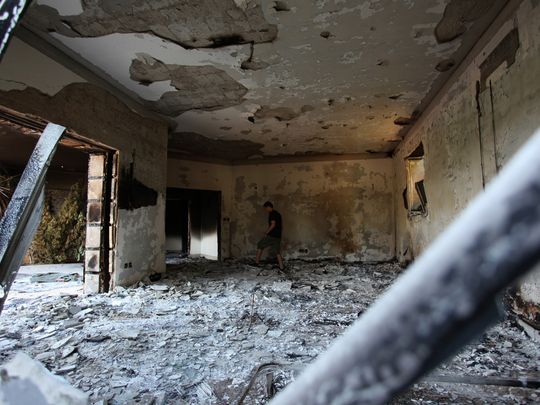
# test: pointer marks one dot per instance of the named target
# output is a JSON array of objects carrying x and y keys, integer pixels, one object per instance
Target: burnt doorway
[
  {"x": 78, "y": 225},
  {"x": 192, "y": 224}
]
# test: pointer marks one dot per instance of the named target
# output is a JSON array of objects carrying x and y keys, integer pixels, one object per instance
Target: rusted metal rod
[
  {"x": 447, "y": 297},
  {"x": 530, "y": 382}
]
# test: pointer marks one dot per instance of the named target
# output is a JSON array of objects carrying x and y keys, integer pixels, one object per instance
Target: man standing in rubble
[{"x": 272, "y": 238}]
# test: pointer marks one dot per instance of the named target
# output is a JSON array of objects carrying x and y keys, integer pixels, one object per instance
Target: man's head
[{"x": 268, "y": 206}]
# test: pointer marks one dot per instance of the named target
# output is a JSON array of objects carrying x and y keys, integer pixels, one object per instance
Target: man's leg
[
  {"x": 280, "y": 261},
  {"x": 261, "y": 245}
]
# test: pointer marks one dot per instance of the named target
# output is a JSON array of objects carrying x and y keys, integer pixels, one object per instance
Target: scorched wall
[
  {"x": 32, "y": 83},
  {"x": 490, "y": 108},
  {"x": 341, "y": 209}
]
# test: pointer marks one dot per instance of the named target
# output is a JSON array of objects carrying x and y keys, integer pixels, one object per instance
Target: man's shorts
[{"x": 270, "y": 242}]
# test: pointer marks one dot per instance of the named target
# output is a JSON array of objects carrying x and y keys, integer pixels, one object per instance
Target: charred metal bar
[
  {"x": 10, "y": 12},
  {"x": 23, "y": 214},
  {"x": 518, "y": 382},
  {"x": 447, "y": 297}
]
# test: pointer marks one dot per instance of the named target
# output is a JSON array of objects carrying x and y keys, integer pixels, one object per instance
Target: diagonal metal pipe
[
  {"x": 23, "y": 214},
  {"x": 10, "y": 13},
  {"x": 446, "y": 298}
]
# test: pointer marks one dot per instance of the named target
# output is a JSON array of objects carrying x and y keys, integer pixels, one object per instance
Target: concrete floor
[
  {"x": 197, "y": 335},
  {"x": 46, "y": 280}
]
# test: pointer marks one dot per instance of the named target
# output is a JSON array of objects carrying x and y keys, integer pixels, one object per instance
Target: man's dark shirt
[{"x": 275, "y": 216}]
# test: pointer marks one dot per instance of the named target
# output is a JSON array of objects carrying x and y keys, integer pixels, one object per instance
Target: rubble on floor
[{"x": 207, "y": 331}]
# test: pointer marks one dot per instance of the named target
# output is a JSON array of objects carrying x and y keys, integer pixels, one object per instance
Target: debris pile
[{"x": 221, "y": 333}]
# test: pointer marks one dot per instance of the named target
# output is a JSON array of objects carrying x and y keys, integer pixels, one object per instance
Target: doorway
[
  {"x": 79, "y": 221},
  {"x": 193, "y": 224}
]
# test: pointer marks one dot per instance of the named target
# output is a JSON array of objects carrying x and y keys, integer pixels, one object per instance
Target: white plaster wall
[
  {"x": 23, "y": 67},
  {"x": 141, "y": 232},
  {"x": 450, "y": 134}
]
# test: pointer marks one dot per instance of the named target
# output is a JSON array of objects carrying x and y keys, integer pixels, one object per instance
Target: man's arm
[{"x": 272, "y": 226}]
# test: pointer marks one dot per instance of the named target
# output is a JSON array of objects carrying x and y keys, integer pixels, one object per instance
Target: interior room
[{"x": 285, "y": 202}]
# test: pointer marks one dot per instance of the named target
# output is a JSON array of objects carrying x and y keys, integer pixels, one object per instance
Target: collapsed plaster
[
  {"x": 199, "y": 87},
  {"x": 457, "y": 15},
  {"x": 183, "y": 22}
]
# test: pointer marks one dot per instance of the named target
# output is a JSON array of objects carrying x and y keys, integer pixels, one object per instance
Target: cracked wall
[
  {"x": 339, "y": 209},
  {"x": 97, "y": 115},
  {"x": 473, "y": 129}
]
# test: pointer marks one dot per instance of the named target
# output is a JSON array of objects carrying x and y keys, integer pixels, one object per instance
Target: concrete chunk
[{"x": 28, "y": 382}]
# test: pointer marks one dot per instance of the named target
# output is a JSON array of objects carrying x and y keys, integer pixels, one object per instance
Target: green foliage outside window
[{"x": 60, "y": 237}]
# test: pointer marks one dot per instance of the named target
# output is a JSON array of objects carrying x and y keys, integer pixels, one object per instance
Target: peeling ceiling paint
[
  {"x": 191, "y": 83},
  {"x": 190, "y": 23},
  {"x": 297, "y": 77}
]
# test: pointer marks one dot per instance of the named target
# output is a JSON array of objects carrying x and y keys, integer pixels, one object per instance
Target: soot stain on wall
[
  {"x": 504, "y": 52},
  {"x": 133, "y": 194}
]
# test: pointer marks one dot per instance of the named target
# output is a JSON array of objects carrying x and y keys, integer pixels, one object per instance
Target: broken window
[{"x": 415, "y": 193}]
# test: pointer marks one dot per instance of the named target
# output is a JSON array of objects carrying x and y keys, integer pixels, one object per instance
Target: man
[{"x": 272, "y": 238}]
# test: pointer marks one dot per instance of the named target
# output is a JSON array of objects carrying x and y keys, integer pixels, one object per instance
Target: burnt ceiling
[
  {"x": 189, "y": 23},
  {"x": 275, "y": 77},
  {"x": 192, "y": 84}
]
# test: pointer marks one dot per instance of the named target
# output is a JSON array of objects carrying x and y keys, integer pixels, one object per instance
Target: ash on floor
[{"x": 198, "y": 335}]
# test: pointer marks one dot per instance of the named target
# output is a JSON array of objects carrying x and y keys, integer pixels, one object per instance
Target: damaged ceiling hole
[
  {"x": 281, "y": 113},
  {"x": 445, "y": 65},
  {"x": 404, "y": 121},
  {"x": 281, "y": 6},
  {"x": 226, "y": 40}
]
